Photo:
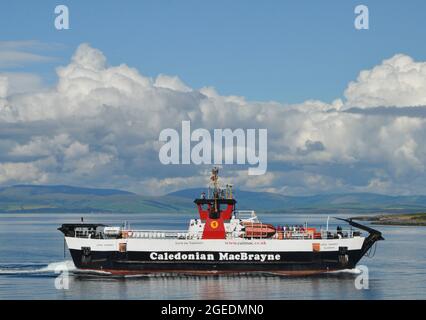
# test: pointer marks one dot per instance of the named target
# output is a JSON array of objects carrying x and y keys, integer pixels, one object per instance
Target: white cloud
[
  {"x": 42, "y": 146},
  {"x": 89, "y": 58},
  {"x": 19, "y": 82},
  {"x": 21, "y": 172},
  {"x": 4, "y": 86},
  {"x": 76, "y": 150},
  {"x": 99, "y": 126},
  {"x": 23, "y": 44},
  {"x": 173, "y": 83},
  {"x": 16, "y": 53},
  {"x": 398, "y": 81},
  {"x": 10, "y": 59}
]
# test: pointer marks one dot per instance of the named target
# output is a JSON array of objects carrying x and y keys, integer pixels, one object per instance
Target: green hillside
[
  {"x": 25, "y": 198},
  {"x": 324, "y": 203},
  {"x": 75, "y": 199}
]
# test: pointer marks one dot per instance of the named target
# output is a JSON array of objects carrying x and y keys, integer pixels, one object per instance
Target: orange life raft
[{"x": 259, "y": 230}]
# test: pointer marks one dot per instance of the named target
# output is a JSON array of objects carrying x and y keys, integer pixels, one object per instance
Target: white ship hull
[{"x": 132, "y": 256}]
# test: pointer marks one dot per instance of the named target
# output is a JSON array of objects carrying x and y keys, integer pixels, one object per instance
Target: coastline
[{"x": 407, "y": 219}]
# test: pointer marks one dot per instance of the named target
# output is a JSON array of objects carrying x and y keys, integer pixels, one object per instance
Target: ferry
[{"x": 221, "y": 240}]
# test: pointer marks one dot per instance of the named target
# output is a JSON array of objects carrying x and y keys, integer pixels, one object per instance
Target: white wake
[
  {"x": 351, "y": 271},
  {"x": 36, "y": 268}
]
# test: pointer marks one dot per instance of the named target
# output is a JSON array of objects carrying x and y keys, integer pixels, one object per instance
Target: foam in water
[
  {"x": 350, "y": 271},
  {"x": 90, "y": 272},
  {"x": 36, "y": 268}
]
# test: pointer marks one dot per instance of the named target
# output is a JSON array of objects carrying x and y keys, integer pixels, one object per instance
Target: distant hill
[
  {"x": 61, "y": 198},
  {"x": 37, "y": 189},
  {"x": 34, "y": 198},
  {"x": 348, "y": 202},
  {"x": 245, "y": 199}
]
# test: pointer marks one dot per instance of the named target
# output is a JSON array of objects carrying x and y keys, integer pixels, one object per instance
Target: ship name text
[{"x": 219, "y": 256}]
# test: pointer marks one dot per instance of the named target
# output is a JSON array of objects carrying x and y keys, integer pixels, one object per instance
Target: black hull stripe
[{"x": 289, "y": 261}]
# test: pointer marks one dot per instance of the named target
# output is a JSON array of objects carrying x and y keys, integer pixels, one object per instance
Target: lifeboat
[
  {"x": 258, "y": 230},
  {"x": 313, "y": 234}
]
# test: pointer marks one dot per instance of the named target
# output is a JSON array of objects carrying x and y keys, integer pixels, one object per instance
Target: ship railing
[
  {"x": 160, "y": 234},
  {"x": 343, "y": 233},
  {"x": 290, "y": 234},
  {"x": 246, "y": 215}
]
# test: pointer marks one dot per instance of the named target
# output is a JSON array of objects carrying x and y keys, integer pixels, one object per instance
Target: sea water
[{"x": 32, "y": 257}]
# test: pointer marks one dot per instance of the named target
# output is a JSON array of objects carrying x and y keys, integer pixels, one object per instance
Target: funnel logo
[
  {"x": 238, "y": 145},
  {"x": 214, "y": 224}
]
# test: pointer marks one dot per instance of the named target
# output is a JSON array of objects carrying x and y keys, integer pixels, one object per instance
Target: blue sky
[
  {"x": 286, "y": 51},
  {"x": 344, "y": 109}
]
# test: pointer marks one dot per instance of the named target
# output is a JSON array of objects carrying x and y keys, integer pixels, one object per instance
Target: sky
[
  {"x": 286, "y": 51},
  {"x": 343, "y": 107}
]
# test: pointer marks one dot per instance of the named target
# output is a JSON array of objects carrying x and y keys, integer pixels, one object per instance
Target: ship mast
[
  {"x": 210, "y": 209},
  {"x": 214, "y": 180}
]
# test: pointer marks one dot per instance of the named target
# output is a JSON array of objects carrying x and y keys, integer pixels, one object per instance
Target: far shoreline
[{"x": 407, "y": 219}]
